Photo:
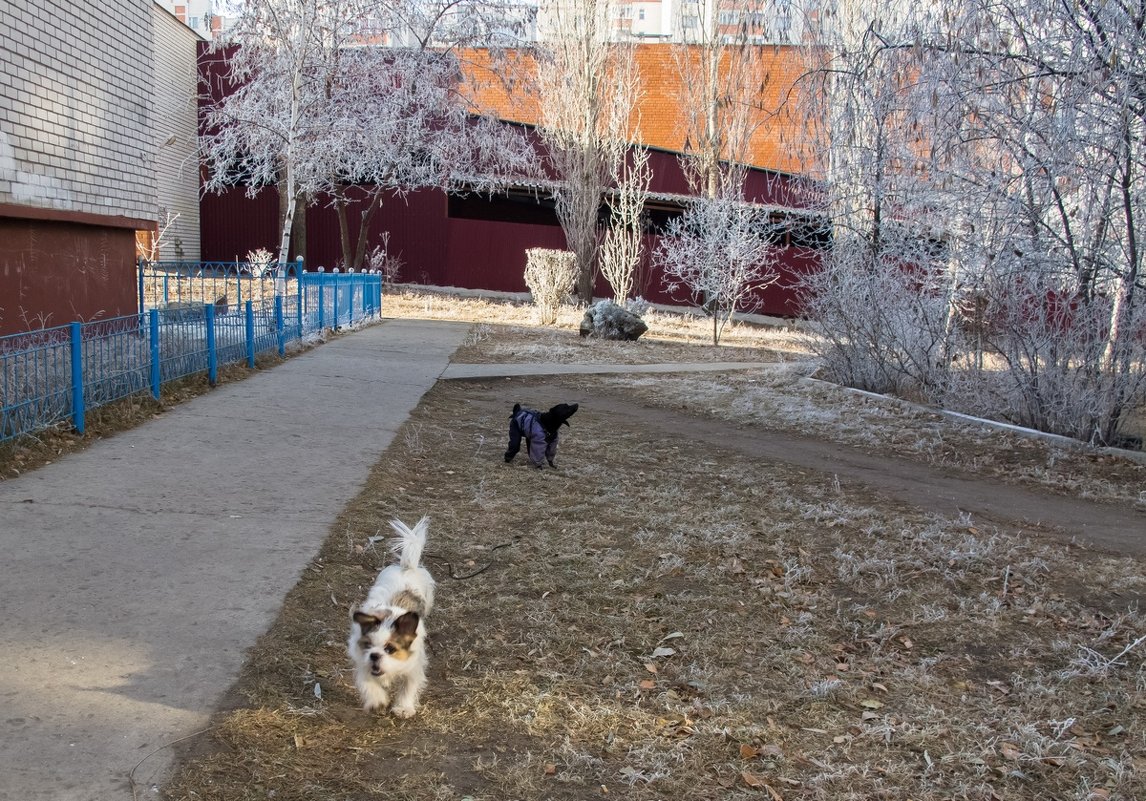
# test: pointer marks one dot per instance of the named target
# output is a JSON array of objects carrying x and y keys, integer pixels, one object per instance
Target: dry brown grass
[{"x": 662, "y": 618}]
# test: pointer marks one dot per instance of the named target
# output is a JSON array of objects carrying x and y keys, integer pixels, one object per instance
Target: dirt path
[{"x": 1102, "y": 527}]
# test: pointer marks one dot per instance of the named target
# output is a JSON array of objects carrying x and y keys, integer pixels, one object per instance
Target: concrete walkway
[{"x": 135, "y": 574}]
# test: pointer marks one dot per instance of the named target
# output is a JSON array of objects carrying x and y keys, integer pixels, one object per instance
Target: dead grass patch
[{"x": 661, "y": 618}]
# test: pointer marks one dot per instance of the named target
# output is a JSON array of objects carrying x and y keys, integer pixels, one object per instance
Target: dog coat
[{"x": 540, "y": 442}]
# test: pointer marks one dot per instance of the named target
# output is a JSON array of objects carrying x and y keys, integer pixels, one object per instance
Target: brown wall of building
[{"x": 57, "y": 272}]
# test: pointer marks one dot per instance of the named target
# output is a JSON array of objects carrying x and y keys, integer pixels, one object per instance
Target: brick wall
[
  {"x": 75, "y": 107},
  {"x": 176, "y": 127},
  {"x": 77, "y": 157}
]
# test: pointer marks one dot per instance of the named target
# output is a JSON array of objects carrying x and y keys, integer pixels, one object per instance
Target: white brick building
[
  {"x": 176, "y": 127},
  {"x": 78, "y": 154}
]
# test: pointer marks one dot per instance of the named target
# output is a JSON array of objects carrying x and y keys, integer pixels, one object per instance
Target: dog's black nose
[{"x": 375, "y": 656}]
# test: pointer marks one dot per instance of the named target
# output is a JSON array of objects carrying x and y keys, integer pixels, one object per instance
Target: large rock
[{"x": 607, "y": 320}]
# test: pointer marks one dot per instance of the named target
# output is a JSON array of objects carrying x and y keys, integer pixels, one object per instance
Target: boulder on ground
[{"x": 607, "y": 320}]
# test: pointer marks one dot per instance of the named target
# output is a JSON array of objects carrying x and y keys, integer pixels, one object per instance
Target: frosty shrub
[
  {"x": 550, "y": 276},
  {"x": 623, "y": 246},
  {"x": 259, "y": 261},
  {"x": 718, "y": 251},
  {"x": 380, "y": 259},
  {"x": 878, "y": 331}
]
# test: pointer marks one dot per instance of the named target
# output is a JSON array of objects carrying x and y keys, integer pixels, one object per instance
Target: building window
[{"x": 641, "y": 14}]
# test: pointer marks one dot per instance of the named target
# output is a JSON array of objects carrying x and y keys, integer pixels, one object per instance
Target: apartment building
[{"x": 205, "y": 17}]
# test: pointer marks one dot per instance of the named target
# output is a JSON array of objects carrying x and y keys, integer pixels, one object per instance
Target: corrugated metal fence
[{"x": 194, "y": 318}]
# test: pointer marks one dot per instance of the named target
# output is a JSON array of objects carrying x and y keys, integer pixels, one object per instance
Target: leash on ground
[
  {"x": 131, "y": 773},
  {"x": 450, "y": 567}
]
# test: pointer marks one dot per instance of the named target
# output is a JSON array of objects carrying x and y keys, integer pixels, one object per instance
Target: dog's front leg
[
  {"x": 374, "y": 695},
  {"x": 406, "y": 697}
]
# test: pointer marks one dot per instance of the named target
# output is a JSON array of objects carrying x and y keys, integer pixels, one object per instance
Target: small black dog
[{"x": 540, "y": 432}]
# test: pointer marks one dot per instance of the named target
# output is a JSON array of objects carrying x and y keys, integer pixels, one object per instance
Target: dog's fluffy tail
[{"x": 408, "y": 545}]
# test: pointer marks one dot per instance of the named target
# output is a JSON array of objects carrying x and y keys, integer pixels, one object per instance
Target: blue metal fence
[{"x": 56, "y": 374}]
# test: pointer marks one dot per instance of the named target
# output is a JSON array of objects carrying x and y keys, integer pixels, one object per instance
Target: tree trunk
[{"x": 364, "y": 229}]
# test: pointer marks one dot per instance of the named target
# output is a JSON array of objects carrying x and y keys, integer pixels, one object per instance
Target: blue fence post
[
  {"x": 334, "y": 322},
  {"x": 321, "y": 298},
  {"x": 350, "y": 282},
  {"x": 250, "y": 309},
  {"x": 212, "y": 350},
  {"x": 301, "y": 299},
  {"x": 77, "y": 336},
  {"x": 156, "y": 376},
  {"x": 279, "y": 332}
]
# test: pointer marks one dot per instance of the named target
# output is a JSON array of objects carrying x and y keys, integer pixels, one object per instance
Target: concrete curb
[
  {"x": 472, "y": 371},
  {"x": 1057, "y": 439}
]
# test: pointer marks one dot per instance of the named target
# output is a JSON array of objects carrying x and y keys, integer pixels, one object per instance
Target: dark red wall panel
[
  {"x": 53, "y": 273},
  {"x": 440, "y": 250}
]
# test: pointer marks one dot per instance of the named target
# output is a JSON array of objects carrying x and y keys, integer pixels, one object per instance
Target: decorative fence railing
[{"x": 57, "y": 374}]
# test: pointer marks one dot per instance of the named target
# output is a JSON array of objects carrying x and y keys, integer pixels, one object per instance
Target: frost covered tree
[
  {"x": 415, "y": 132},
  {"x": 719, "y": 250},
  {"x": 281, "y": 61},
  {"x": 986, "y": 169},
  {"x": 586, "y": 88},
  {"x": 623, "y": 246},
  {"x": 353, "y": 100},
  {"x": 721, "y": 80}
]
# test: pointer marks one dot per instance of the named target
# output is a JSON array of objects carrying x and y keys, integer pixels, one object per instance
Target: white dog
[{"x": 388, "y": 631}]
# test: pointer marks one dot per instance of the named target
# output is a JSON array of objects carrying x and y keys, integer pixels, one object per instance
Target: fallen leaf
[
  {"x": 663, "y": 651},
  {"x": 674, "y": 636},
  {"x": 748, "y": 751},
  {"x": 648, "y": 684},
  {"x": 550, "y": 769},
  {"x": 650, "y": 667},
  {"x": 871, "y": 703},
  {"x": 1010, "y": 751},
  {"x": 869, "y": 716},
  {"x": 752, "y": 780}
]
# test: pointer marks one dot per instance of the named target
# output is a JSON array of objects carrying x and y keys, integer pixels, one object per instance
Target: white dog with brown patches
[{"x": 388, "y": 631}]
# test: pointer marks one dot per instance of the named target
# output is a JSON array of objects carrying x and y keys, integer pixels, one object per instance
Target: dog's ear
[
  {"x": 406, "y": 626},
  {"x": 366, "y": 621}
]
